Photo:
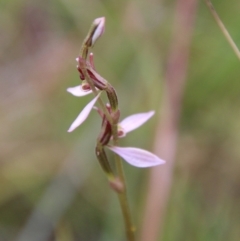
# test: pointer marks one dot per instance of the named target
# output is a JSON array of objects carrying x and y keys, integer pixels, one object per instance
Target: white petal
[
  {"x": 78, "y": 91},
  {"x": 84, "y": 114},
  {"x": 137, "y": 157},
  {"x": 100, "y": 23},
  {"x": 132, "y": 122}
]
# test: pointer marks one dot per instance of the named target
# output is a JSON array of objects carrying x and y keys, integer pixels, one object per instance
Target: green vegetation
[{"x": 41, "y": 165}]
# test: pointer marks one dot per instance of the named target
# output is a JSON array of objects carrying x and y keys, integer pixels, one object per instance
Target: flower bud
[{"x": 98, "y": 30}]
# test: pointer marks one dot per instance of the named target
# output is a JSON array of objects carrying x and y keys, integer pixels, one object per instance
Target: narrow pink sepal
[
  {"x": 132, "y": 122},
  {"x": 78, "y": 91},
  {"x": 137, "y": 157},
  {"x": 84, "y": 114},
  {"x": 100, "y": 22}
]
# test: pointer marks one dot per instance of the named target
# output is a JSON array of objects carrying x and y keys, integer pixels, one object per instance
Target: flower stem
[
  {"x": 102, "y": 105},
  {"x": 122, "y": 196},
  {"x": 223, "y": 28}
]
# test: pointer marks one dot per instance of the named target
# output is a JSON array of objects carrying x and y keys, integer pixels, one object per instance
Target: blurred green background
[{"x": 51, "y": 186}]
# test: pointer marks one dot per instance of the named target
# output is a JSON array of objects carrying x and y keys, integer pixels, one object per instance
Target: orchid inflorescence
[{"x": 111, "y": 128}]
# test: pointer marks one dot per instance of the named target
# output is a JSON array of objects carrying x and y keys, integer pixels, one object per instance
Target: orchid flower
[
  {"x": 128, "y": 124},
  {"x": 134, "y": 156}
]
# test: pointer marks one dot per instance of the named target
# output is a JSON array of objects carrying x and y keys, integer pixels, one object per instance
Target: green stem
[
  {"x": 122, "y": 196},
  {"x": 223, "y": 28}
]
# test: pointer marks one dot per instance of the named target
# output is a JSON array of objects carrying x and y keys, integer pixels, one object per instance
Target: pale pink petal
[
  {"x": 132, "y": 122},
  {"x": 100, "y": 23},
  {"x": 78, "y": 91},
  {"x": 137, "y": 157},
  {"x": 84, "y": 114}
]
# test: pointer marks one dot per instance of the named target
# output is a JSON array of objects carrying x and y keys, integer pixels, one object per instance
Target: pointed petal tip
[
  {"x": 152, "y": 112},
  {"x": 83, "y": 114},
  {"x": 100, "y": 20},
  {"x": 134, "y": 121}
]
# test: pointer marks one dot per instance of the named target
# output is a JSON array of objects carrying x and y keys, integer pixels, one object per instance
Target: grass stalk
[{"x": 223, "y": 28}]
